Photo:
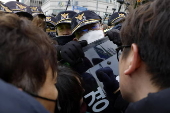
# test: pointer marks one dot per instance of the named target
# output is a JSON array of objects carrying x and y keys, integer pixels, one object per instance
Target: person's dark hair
[
  {"x": 148, "y": 26},
  {"x": 26, "y": 53},
  {"x": 70, "y": 90}
]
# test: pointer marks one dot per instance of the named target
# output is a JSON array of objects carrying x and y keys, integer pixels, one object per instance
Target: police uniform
[
  {"x": 20, "y": 9},
  {"x": 37, "y": 11},
  {"x": 4, "y": 8},
  {"x": 116, "y": 19},
  {"x": 84, "y": 18},
  {"x": 64, "y": 17},
  {"x": 50, "y": 28},
  {"x": 61, "y": 18}
]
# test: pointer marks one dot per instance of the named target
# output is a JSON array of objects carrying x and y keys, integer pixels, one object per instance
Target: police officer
[
  {"x": 37, "y": 11},
  {"x": 4, "y": 8},
  {"x": 63, "y": 27},
  {"x": 20, "y": 9},
  {"x": 63, "y": 22},
  {"x": 50, "y": 26},
  {"x": 115, "y": 22},
  {"x": 86, "y": 25}
]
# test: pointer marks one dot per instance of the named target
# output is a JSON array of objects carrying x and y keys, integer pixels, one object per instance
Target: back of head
[
  {"x": 148, "y": 27},
  {"x": 70, "y": 90},
  {"x": 26, "y": 53}
]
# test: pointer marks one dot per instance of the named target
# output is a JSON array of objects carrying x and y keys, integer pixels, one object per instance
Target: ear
[
  {"x": 20, "y": 89},
  {"x": 101, "y": 26},
  {"x": 75, "y": 39},
  {"x": 133, "y": 59}
]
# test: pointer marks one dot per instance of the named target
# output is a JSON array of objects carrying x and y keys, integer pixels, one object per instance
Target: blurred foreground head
[
  {"x": 28, "y": 58},
  {"x": 144, "y": 63}
]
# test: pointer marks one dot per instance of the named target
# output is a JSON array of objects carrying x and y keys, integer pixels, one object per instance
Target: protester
[
  {"x": 16, "y": 101},
  {"x": 70, "y": 90},
  {"x": 28, "y": 59},
  {"x": 144, "y": 63}
]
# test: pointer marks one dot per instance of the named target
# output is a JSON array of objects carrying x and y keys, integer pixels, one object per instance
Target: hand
[
  {"x": 108, "y": 78},
  {"x": 72, "y": 52},
  {"x": 114, "y": 36}
]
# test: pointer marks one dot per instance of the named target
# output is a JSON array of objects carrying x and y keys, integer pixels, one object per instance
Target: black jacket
[{"x": 154, "y": 103}]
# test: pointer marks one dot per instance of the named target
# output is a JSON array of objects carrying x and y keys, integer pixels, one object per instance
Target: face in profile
[
  {"x": 49, "y": 91},
  {"x": 126, "y": 85}
]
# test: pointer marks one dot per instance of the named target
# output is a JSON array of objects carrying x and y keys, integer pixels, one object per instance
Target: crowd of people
[{"x": 43, "y": 67}]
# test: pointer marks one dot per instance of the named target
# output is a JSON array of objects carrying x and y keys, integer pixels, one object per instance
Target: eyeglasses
[{"x": 120, "y": 49}]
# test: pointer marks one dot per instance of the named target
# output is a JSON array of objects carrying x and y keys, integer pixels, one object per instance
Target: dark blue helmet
[
  {"x": 20, "y": 9},
  {"x": 116, "y": 18},
  {"x": 37, "y": 11},
  {"x": 65, "y": 17},
  {"x": 51, "y": 20},
  {"x": 4, "y": 8},
  {"x": 84, "y": 18}
]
